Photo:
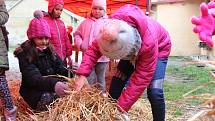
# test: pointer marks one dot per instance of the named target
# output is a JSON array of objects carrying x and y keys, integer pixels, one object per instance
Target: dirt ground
[{"x": 187, "y": 110}]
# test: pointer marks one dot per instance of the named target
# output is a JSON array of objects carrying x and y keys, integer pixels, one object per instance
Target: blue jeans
[{"x": 154, "y": 91}]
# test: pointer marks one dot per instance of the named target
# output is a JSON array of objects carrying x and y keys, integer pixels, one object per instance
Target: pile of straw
[
  {"x": 86, "y": 105},
  {"x": 82, "y": 105}
]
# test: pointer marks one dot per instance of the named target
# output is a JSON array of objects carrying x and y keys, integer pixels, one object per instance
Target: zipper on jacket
[{"x": 59, "y": 37}]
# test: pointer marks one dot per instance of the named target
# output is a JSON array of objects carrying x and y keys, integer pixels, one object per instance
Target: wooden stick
[
  {"x": 199, "y": 87},
  {"x": 196, "y": 116}
]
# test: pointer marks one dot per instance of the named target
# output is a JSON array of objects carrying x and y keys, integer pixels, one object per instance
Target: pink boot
[{"x": 11, "y": 114}]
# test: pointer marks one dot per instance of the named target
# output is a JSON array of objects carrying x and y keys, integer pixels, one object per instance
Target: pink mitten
[
  {"x": 60, "y": 88},
  {"x": 204, "y": 25}
]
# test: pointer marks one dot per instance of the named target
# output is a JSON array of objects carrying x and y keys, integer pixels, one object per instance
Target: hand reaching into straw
[
  {"x": 204, "y": 25},
  {"x": 121, "y": 116},
  {"x": 76, "y": 83},
  {"x": 81, "y": 82}
]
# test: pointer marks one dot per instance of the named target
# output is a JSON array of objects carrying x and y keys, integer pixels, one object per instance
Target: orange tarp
[{"x": 82, "y": 7}]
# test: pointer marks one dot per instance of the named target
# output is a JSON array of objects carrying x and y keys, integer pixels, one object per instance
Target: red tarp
[{"x": 82, "y": 7}]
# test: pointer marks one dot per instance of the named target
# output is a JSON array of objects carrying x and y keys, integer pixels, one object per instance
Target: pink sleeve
[
  {"x": 68, "y": 44},
  {"x": 78, "y": 38},
  {"x": 90, "y": 58}
]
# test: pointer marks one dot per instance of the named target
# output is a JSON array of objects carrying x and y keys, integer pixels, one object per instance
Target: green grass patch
[
  {"x": 185, "y": 79},
  {"x": 179, "y": 58},
  {"x": 178, "y": 112},
  {"x": 190, "y": 78}
]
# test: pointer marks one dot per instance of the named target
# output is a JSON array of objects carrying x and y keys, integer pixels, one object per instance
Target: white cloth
[{"x": 117, "y": 39}]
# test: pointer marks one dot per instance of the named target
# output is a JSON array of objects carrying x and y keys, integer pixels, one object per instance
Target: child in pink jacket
[
  {"x": 130, "y": 35},
  {"x": 84, "y": 36},
  {"x": 59, "y": 38}
]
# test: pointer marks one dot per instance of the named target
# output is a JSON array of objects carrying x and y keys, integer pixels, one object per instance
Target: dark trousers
[
  {"x": 119, "y": 80},
  {"x": 154, "y": 91},
  {"x": 46, "y": 99}
]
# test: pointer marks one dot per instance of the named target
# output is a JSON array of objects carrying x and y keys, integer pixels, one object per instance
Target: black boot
[
  {"x": 116, "y": 87},
  {"x": 156, "y": 98}
]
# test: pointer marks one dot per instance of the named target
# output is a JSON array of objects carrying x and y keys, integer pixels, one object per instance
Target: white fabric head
[{"x": 117, "y": 39}]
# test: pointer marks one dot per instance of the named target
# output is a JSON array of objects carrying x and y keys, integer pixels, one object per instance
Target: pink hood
[{"x": 53, "y": 3}]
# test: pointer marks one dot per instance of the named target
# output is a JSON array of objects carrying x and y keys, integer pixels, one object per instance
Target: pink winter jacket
[
  {"x": 155, "y": 44},
  {"x": 86, "y": 33},
  {"x": 59, "y": 38}
]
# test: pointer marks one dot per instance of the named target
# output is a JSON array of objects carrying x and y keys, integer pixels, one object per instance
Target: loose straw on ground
[
  {"x": 86, "y": 105},
  {"x": 79, "y": 106},
  {"x": 208, "y": 111}
]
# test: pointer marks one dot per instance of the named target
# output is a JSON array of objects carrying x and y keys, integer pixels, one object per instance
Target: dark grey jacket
[{"x": 3, "y": 51}]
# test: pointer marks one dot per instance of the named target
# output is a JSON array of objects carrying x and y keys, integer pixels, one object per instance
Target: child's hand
[
  {"x": 204, "y": 25},
  {"x": 121, "y": 116},
  {"x": 81, "y": 82},
  {"x": 60, "y": 88}
]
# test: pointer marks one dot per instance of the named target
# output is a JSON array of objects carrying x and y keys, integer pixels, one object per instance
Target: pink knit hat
[
  {"x": 53, "y": 3},
  {"x": 99, "y": 3},
  {"x": 117, "y": 39},
  {"x": 38, "y": 27}
]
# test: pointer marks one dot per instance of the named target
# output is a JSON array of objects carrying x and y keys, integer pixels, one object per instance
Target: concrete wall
[
  {"x": 21, "y": 15},
  {"x": 175, "y": 17}
]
